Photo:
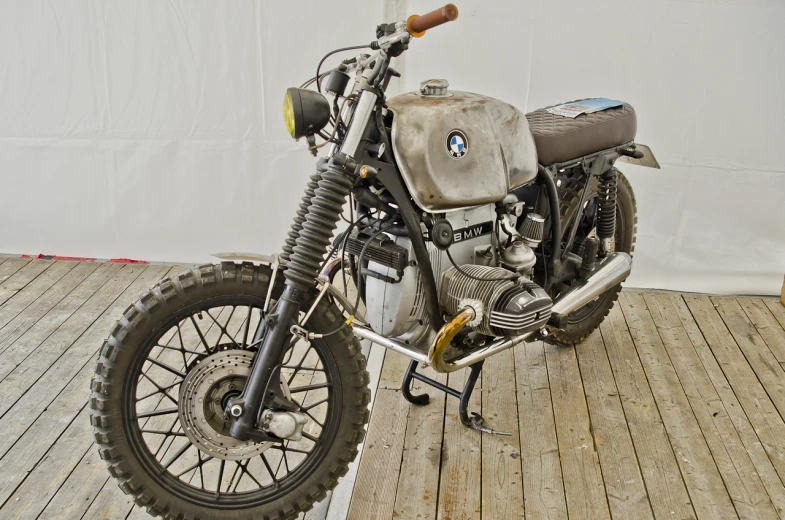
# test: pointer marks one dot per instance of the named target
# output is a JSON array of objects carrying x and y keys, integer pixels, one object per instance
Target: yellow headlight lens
[{"x": 288, "y": 113}]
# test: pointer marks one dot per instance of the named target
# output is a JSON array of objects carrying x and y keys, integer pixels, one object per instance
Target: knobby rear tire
[
  {"x": 570, "y": 193},
  {"x": 144, "y": 318}
]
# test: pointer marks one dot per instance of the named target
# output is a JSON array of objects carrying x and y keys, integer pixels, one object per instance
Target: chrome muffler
[{"x": 613, "y": 270}]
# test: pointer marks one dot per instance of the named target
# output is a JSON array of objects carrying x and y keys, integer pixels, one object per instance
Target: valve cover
[{"x": 510, "y": 307}]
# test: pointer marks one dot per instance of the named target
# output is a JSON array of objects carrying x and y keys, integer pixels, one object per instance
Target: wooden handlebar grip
[{"x": 417, "y": 25}]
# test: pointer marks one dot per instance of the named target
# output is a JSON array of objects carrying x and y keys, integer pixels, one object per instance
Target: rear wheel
[
  {"x": 581, "y": 322},
  {"x": 162, "y": 382}
]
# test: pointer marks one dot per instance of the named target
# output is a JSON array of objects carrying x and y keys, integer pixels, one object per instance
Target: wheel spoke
[
  {"x": 201, "y": 336},
  {"x": 184, "y": 351},
  {"x": 247, "y": 326},
  {"x": 294, "y": 367},
  {"x": 182, "y": 345},
  {"x": 177, "y": 455},
  {"x": 314, "y": 419},
  {"x": 223, "y": 330},
  {"x": 231, "y": 480},
  {"x": 300, "y": 364},
  {"x": 311, "y": 437},
  {"x": 162, "y": 432},
  {"x": 286, "y": 462},
  {"x": 269, "y": 469},
  {"x": 166, "y": 367},
  {"x": 165, "y": 438},
  {"x": 284, "y": 449},
  {"x": 156, "y": 413},
  {"x": 314, "y": 405},
  {"x": 161, "y": 390},
  {"x": 194, "y": 466},
  {"x": 245, "y": 470},
  {"x": 201, "y": 466},
  {"x": 242, "y": 473},
  {"x": 308, "y": 388},
  {"x": 220, "y": 478}
]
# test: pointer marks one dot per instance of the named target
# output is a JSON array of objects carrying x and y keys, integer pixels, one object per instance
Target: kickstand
[{"x": 475, "y": 422}]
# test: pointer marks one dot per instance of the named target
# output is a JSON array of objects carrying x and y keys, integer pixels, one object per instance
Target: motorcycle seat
[{"x": 559, "y": 139}]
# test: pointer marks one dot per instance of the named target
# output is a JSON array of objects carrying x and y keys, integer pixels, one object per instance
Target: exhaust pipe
[{"x": 611, "y": 271}]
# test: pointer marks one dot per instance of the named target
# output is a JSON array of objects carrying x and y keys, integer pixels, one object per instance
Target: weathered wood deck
[{"x": 673, "y": 410}]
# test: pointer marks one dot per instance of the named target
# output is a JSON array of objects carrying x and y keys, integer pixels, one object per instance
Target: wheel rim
[{"x": 203, "y": 352}]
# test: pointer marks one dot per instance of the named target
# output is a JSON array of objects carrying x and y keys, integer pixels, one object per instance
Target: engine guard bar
[
  {"x": 612, "y": 271},
  {"x": 437, "y": 362}
]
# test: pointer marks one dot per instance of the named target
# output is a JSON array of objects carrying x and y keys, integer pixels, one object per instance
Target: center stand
[{"x": 475, "y": 422}]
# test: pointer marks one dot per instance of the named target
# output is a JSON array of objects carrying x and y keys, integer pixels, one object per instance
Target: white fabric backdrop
[{"x": 152, "y": 130}]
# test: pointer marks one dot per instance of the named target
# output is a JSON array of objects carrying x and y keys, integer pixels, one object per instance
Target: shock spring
[{"x": 606, "y": 204}]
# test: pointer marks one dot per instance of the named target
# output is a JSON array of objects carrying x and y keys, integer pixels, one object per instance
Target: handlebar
[{"x": 417, "y": 25}]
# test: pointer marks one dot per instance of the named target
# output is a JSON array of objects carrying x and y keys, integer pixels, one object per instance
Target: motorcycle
[{"x": 239, "y": 390}]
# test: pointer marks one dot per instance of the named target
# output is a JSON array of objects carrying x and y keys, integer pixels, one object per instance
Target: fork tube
[
  {"x": 362, "y": 115},
  {"x": 257, "y": 388}
]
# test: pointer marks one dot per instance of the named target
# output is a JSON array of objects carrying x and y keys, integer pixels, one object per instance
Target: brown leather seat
[{"x": 559, "y": 139}]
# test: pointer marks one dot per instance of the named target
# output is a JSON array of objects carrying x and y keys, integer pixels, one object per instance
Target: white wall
[{"x": 152, "y": 129}]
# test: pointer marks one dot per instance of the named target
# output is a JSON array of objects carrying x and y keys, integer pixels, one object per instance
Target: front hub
[{"x": 203, "y": 397}]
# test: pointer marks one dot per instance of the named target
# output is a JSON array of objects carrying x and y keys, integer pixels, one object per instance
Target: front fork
[
  {"x": 314, "y": 233},
  {"x": 262, "y": 388},
  {"x": 306, "y": 245}
]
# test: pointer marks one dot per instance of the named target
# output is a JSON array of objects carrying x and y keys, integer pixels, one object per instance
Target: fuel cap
[{"x": 434, "y": 87}]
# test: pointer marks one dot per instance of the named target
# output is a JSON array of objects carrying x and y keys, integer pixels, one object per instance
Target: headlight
[
  {"x": 305, "y": 112},
  {"x": 288, "y": 113}
]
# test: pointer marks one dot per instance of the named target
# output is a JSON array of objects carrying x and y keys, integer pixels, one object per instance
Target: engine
[
  {"x": 507, "y": 305},
  {"x": 504, "y": 307}
]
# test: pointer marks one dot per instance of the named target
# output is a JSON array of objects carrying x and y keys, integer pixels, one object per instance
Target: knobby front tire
[{"x": 162, "y": 314}]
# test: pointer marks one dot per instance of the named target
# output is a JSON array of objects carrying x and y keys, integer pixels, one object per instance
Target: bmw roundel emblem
[{"x": 457, "y": 144}]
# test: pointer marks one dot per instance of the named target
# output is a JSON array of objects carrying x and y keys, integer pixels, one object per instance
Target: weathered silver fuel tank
[{"x": 458, "y": 149}]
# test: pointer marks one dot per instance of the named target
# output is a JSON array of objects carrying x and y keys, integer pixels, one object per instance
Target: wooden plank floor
[
  {"x": 54, "y": 316},
  {"x": 673, "y": 409}
]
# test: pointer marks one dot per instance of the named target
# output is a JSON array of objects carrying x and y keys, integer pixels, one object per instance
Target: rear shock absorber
[
  {"x": 606, "y": 209},
  {"x": 314, "y": 233}
]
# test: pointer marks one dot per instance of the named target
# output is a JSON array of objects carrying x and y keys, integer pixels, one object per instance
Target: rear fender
[{"x": 648, "y": 160}]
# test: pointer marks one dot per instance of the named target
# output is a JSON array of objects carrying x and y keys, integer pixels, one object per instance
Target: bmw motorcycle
[{"x": 239, "y": 390}]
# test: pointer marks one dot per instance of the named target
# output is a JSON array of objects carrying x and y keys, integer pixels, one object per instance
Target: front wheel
[{"x": 164, "y": 376}]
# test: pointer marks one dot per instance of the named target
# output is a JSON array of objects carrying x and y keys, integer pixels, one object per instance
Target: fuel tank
[{"x": 458, "y": 149}]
